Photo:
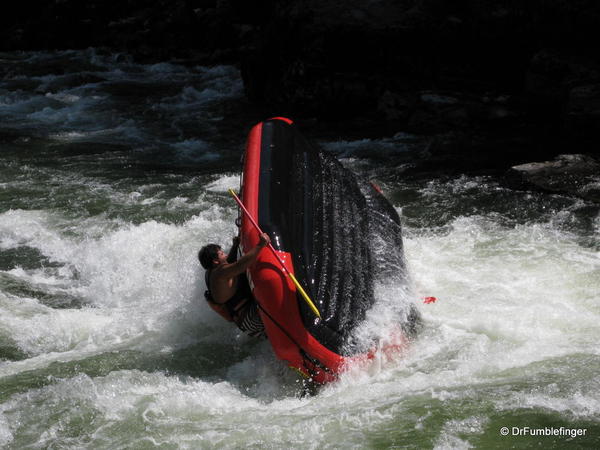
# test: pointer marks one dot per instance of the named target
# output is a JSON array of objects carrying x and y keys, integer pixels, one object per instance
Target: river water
[{"x": 113, "y": 174}]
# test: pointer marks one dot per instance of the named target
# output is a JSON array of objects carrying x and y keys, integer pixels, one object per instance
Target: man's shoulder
[{"x": 220, "y": 271}]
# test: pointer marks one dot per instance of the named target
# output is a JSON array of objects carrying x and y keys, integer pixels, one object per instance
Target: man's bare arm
[{"x": 238, "y": 267}]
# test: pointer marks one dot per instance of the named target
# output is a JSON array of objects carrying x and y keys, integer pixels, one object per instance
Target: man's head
[{"x": 211, "y": 255}]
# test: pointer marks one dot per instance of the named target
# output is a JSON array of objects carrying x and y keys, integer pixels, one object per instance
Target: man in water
[{"x": 228, "y": 292}]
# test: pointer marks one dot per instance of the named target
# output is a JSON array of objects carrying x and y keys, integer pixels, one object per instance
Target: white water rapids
[{"x": 106, "y": 341}]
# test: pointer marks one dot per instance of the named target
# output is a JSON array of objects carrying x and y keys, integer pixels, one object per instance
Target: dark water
[{"x": 112, "y": 174}]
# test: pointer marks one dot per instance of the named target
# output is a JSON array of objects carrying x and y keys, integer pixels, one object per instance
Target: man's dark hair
[{"x": 208, "y": 254}]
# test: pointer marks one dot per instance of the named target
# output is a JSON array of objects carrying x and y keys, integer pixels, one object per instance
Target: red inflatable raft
[{"x": 320, "y": 220}]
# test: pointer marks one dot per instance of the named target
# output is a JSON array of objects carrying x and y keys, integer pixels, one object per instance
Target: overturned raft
[{"x": 325, "y": 225}]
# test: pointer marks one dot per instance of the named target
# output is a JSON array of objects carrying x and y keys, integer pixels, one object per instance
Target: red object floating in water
[
  {"x": 428, "y": 300},
  {"x": 376, "y": 187}
]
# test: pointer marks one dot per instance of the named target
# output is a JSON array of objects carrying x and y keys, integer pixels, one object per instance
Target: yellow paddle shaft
[{"x": 303, "y": 293}]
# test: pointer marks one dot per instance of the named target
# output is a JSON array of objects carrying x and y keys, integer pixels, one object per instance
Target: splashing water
[{"x": 113, "y": 174}]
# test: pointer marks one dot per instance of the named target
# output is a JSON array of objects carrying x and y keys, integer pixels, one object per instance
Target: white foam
[
  {"x": 64, "y": 97},
  {"x": 18, "y": 228},
  {"x": 450, "y": 441},
  {"x": 224, "y": 183},
  {"x": 143, "y": 282},
  {"x": 69, "y": 136},
  {"x": 37, "y": 329},
  {"x": 490, "y": 320},
  {"x": 150, "y": 403},
  {"x": 577, "y": 404},
  {"x": 6, "y": 435},
  {"x": 126, "y": 132},
  {"x": 507, "y": 295},
  {"x": 457, "y": 186}
]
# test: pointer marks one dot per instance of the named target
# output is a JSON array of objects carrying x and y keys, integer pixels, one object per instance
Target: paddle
[{"x": 289, "y": 274}]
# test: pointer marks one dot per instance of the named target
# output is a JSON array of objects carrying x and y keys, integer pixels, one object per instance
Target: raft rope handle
[
  {"x": 303, "y": 293},
  {"x": 305, "y": 356}
]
